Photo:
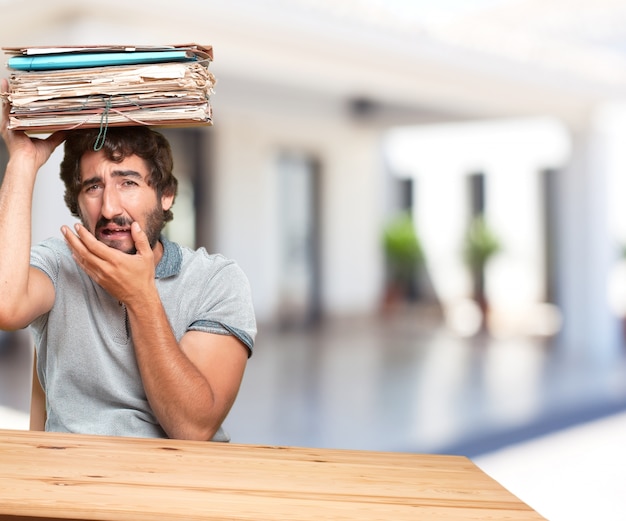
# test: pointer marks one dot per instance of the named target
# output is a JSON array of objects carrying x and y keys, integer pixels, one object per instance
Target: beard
[{"x": 153, "y": 226}]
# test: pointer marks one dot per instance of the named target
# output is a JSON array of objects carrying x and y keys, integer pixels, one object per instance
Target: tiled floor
[
  {"x": 519, "y": 408},
  {"x": 15, "y": 375},
  {"x": 577, "y": 474},
  {"x": 398, "y": 382}
]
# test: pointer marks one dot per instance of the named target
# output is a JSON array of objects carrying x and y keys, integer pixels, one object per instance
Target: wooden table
[{"x": 69, "y": 476}]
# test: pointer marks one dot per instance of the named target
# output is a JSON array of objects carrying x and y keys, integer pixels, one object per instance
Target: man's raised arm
[{"x": 25, "y": 292}]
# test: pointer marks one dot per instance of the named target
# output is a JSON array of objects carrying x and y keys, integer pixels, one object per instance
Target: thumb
[
  {"x": 142, "y": 245},
  {"x": 56, "y": 138}
]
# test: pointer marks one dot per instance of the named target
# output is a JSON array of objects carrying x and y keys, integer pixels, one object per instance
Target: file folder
[{"x": 80, "y": 60}]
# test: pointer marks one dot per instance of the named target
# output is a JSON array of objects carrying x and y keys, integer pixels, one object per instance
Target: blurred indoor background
[{"x": 429, "y": 201}]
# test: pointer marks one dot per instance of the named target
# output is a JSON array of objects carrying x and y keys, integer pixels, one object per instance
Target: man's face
[{"x": 113, "y": 195}]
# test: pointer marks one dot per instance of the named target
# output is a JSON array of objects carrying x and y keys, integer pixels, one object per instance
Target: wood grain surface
[{"x": 69, "y": 476}]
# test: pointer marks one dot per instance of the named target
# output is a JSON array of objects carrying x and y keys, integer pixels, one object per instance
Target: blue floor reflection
[
  {"x": 398, "y": 382},
  {"x": 406, "y": 383}
]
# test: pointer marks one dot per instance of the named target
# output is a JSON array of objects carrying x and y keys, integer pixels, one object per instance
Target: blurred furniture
[{"x": 68, "y": 476}]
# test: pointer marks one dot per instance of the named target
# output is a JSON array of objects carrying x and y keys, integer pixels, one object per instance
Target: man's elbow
[
  {"x": 10, "y": 318},
  {"x": 18, "y": 312},
  {"x": 194, "y": 432}
]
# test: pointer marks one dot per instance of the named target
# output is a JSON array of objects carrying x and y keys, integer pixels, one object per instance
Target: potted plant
[
  {"x": 403, "y": 255},
  {"x": 481, "y": 244}
]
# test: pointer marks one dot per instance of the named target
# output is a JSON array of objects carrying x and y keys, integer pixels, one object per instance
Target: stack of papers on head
[{"x": 63, "y": 88}]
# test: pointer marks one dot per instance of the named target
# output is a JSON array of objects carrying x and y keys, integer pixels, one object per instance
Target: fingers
[
  {"x": 75, "y": 245},
  {"x": 4, "y": 90},
  {"x": 89, "y": 253},
  {"x": 43, "y": 147},
  {"x": 56, "y": 138},
  {"x": 72, "y": 239},
  {"x": 121, "y": 274},
  {"x": 82, "y": 242},
  {"x": 6, "y": 106},
  {"x": 142, "y": 245}
]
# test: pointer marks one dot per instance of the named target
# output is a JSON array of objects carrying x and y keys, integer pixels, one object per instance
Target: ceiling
[
  {"x": 450, "y": 58},
  {"x": 584, "y": 38}
]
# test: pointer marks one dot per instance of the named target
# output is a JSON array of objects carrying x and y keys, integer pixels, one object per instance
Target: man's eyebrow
[
  {"x": 116, "y": 173},
  {"x": 126, "y": 173},
  {"x": 91, "y": 181}
]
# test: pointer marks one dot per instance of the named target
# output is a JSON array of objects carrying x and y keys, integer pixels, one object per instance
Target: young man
[{"x": 134, "y": 335}]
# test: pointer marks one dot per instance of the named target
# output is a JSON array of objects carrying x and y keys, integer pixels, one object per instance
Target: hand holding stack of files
[{"x": 62, "y": 88}]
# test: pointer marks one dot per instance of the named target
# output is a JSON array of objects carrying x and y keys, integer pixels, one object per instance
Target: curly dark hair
[{"x": 119, "y": 143}]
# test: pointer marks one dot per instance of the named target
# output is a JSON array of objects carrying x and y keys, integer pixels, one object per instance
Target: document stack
[{"x": 63, "y": 88}]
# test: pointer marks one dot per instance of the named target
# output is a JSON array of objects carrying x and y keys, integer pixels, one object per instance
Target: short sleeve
[
  {"x": 45, "y": 256},
  {"x": 227, "y": 306}
]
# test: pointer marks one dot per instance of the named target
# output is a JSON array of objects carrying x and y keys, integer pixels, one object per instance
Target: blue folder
[{"x": 46, "y": 62}]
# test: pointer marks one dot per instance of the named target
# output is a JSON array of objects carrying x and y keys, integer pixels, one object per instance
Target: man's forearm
[
  {"x": 180, "y": 396},
  {"x": 26, "y": 156},
  {"x": 15, "y": 233}
]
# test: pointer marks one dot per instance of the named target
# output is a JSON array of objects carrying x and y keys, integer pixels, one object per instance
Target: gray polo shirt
[{"x": 85, "y": 356}]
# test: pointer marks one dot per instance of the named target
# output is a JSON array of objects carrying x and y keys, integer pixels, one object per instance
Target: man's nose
[{"x": 111, "y": 203}]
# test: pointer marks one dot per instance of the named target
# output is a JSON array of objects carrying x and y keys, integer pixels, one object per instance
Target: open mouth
[{"x": 114, "y": 233}]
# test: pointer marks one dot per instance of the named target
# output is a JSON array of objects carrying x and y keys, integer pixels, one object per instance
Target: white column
[
  {"x": 585, "y": 248},
  {"x": 49, "y": 210}
]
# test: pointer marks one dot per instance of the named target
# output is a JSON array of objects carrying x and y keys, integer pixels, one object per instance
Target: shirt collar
[{"x": 171, "y": 261}]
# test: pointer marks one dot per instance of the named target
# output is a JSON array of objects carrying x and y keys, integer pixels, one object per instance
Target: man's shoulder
[
  {"x": 51, "y": 245},
  {"x": 186, "y": 256},
  {"x": 177, "y": 259},
  {"x": 214, "y": 261}
]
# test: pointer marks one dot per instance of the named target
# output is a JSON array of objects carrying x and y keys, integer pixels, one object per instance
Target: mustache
[{"x": 117, "y": 221}]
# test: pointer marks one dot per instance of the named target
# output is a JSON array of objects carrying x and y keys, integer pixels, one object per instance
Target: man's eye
[{"x": 92, "y": 188}]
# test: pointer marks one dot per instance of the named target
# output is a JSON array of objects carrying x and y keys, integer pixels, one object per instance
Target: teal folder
[{"x": 48, "y": 62}]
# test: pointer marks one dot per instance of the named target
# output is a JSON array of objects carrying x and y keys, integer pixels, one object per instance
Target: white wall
[
  {"x": 249, "y": 137},
  {"x": 511, "y": 155},
  {"x": 49, "y": 210},
  {"x": 302, "y": 111}
]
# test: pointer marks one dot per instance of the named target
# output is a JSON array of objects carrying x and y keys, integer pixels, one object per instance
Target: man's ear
[{"x": 167, "y": 201}]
